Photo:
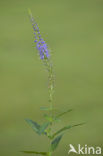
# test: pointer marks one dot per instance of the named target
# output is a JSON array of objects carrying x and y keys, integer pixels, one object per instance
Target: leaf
[
  {"x": 55, "y": 142},
  {"x": 51, "y": 119},
  {"x": 39, "y": 129},
  {"x": 34, "y": 152},
  {"x": 45, "y": 108},
  {"x": 65, "y": 128},
  {"x": 80, "y": 124},
  {"x": 61, "y": 130},
  {"x": 43, "y": 128},
  {"x": 35, "y": 126},
  {"x": 63, "y": 113}
]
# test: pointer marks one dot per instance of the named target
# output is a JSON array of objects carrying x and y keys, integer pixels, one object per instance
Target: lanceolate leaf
[
  {"x": 34, "y": 152},
  {"x": 55, "y": 142},
  {"x": 61, "y": 130},
  {"x": 65, "y": 128},
  {"x": 35, "y": 126},
  {"x": 45, "y": 108},
  {"x": 39, "y": 129},
  {"x": 43, "y": 128},
  {"x": 63, "y": 113},
  {"x": 80, "y": 124}
]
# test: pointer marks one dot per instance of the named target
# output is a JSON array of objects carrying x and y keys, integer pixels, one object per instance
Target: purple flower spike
[
  {"x": 40, "y": 43},
  {"x": 43, "y": 50}
]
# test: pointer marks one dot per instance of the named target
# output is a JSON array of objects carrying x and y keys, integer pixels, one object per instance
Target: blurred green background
[{"x": 74, "y": 32}]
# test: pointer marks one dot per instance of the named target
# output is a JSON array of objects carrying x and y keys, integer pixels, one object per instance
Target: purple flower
[
  {"x": 43, "y": 49},
  {"x": 40, "y": 43}
]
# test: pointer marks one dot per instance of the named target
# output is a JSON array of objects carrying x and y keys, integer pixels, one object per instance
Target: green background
[{"x": 73, "y": 30}]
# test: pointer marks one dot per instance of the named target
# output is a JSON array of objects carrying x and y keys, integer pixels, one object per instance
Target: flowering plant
[{"x": 46, "y": 127}]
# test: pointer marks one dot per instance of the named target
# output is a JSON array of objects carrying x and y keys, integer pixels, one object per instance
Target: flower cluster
[{"x": 40, "y": 43}]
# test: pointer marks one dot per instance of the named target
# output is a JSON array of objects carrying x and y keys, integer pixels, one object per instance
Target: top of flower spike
[{"x": 40, "y": 43}]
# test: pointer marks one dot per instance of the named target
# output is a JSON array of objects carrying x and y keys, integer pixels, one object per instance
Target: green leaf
[
  {"x": 35, "y": 126},
  {"x": 49, "y": 118},
  {"x": 80, "y": 124},
  {"x": 63, "y": 113},
  {"x": 61, "y": 130},
  {"x": 34, "y": 152},
  {"x": 39, "y": 129},
  {"x": 55, "y": 142},
  {"x": 45, "y": 108},
  {"x": 43, "y": 128},
  {"x": 65, "y": 128}
]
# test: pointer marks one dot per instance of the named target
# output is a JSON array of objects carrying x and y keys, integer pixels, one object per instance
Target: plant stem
[
  {"x": 49, "y": 68},
  {"x": 51, "y": 90}
]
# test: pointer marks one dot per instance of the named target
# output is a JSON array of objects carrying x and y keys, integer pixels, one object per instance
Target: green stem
[
  {"x": 49, "y": 68},
  {"x": 51, "y": 90}
]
